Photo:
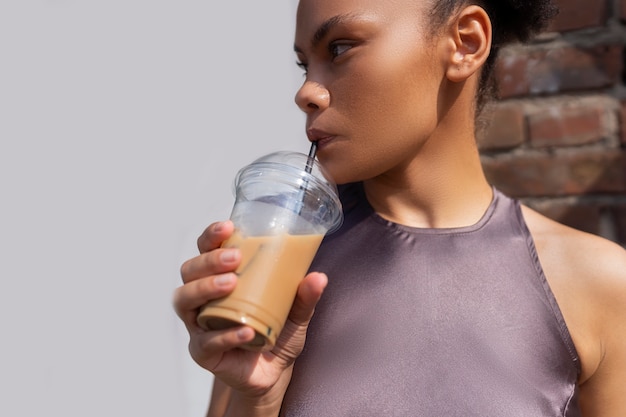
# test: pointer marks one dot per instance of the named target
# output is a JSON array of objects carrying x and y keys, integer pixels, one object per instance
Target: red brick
[
  {"x": 579, "y": 14},
  {"x": 548, "y": 71},
  {"x": 566, "y": 125},
  {"x": 574, "y": 173},
  {"x": 622, "y": 121},
  {"x": 506, "y": 127},
  {"x": 619, "y": 214},
  {"x": 512, "y": 74}
]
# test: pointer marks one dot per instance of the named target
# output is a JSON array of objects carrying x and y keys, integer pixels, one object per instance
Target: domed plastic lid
[
  {"x": 286, "y": 174},
  {"x": 297, "y": 161}
]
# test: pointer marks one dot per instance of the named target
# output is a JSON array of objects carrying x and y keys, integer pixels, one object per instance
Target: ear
[{"x": 470, "y": 42}]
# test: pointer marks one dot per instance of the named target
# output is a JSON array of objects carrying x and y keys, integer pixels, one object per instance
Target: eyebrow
[{"x": 325, "y": 27}]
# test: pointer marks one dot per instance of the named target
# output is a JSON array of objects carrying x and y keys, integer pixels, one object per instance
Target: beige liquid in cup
[{"x": 268, "y": 277}]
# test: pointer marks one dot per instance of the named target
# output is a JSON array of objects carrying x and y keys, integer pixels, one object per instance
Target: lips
[{"x": 319, "y": 136}]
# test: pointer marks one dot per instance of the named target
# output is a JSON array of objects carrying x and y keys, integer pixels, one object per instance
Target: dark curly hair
[{"x": 511, "y": 20}]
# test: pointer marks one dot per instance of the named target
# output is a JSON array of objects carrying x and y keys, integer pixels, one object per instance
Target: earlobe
[{"x": 470, "y": 34}]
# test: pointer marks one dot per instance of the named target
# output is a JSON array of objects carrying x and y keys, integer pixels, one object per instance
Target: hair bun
[{"x": 518, "y": 20}]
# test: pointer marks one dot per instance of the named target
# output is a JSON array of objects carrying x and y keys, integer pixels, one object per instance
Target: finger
[
  {"x": 309, "y": 293},
  {"x": 190, "y": 297},
  {"x": 214, "y": 235},
  {"x": 217, "y": 261},
  {"x": 204, "y": 345},
  {"x": 291, "y": 339}
]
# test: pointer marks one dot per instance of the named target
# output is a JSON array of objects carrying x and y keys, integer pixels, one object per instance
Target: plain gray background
[{"x": 122, "y": 124}]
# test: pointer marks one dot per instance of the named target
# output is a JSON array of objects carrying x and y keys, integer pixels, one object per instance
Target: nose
[{"x": 312, "y": 96}]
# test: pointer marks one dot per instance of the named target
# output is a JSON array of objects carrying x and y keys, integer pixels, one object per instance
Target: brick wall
[{"x": 556, "y": 137}]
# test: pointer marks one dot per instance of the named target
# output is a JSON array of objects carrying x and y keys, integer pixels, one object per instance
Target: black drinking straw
[
  {"x": 308, "y": 169},
  {"x": 311, "y": 158}
]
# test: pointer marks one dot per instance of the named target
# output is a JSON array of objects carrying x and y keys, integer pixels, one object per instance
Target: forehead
[{"x": 313, "y": 13}]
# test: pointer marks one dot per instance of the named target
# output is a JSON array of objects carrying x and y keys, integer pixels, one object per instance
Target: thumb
[
  {"x": 291, "y": 339},
  {"x": 309, "y": 293}
]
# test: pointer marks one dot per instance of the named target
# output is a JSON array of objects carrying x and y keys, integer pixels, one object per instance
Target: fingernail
[
  {"x": 218, "y": 227},
  {"x": 224, "y": 280},
  {"x": 229, "y": 256},
  {"x": 244, "y": 333}
]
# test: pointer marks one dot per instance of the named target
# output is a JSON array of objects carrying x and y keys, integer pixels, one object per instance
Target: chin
[
  {"x": 343, "y": 170},
  {"x": 342, "y": 175}
]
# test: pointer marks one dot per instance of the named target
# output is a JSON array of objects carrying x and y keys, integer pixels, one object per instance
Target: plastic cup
[{"x": 281, "y": 214}]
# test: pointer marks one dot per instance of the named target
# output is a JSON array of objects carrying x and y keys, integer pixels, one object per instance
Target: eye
[
  {"x": 303, "y": 66},
  {"x": 337, "y": 48}
]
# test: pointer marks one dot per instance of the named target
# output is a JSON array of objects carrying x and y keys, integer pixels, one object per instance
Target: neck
[{"x": 443, "y": 186}]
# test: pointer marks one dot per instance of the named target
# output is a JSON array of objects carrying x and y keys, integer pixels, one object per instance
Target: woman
[{"x": 446, "y": 297}]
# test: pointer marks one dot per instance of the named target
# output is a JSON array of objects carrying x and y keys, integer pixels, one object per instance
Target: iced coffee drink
[{"x": 281, "y": 216}]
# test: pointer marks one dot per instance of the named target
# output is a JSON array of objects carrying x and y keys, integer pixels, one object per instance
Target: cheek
[
  {"x": 391, "y": 93},
  {"x": 388, "y": 107}
]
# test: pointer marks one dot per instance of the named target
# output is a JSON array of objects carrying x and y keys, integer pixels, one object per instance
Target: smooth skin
[{"x": 392, "y": 104}]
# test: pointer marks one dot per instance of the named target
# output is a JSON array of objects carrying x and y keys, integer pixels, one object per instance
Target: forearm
[
  {"x": 241, "y": 407},
  {"x": 220, "y": 398},
  {"x": 227, "y": 402}
]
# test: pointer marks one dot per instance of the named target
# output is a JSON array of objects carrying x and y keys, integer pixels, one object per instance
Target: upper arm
[
  {"x": 587, "y": 275},
  {"x": 603, "y": 393},
  {"x": 219, "y": 399}
]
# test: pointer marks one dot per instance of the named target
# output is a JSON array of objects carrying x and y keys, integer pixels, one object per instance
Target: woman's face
[{"x": 373, "y": 76}]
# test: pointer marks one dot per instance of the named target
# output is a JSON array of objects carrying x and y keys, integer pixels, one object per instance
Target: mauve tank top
[{"x": 433, "y": 323}]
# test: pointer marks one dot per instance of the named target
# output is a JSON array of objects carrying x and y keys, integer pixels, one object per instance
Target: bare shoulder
[
  {"x": 579, "y": 265},
  {"x": 587, "y": 275},
  {"x": 588, "y": 257}
]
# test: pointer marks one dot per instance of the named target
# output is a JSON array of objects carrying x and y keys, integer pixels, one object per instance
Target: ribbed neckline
[{"x": 487, "y": 215}]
